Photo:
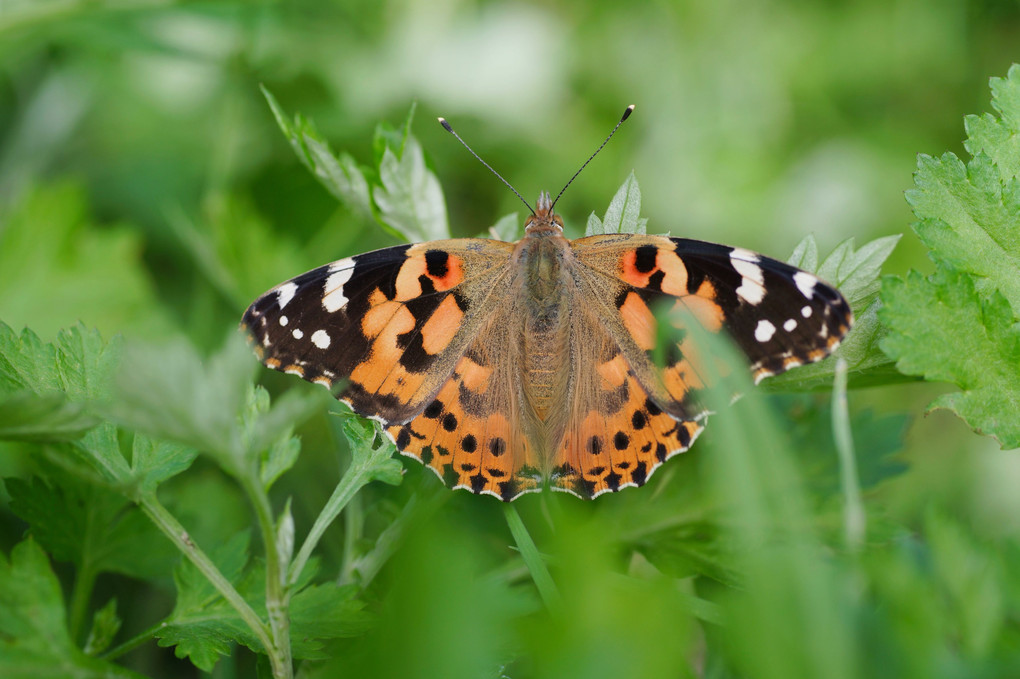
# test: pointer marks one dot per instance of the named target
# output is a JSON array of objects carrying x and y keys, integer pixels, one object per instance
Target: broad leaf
[
  {"x": 34, "y": 641},
  {"x": 943, "y": 329}
]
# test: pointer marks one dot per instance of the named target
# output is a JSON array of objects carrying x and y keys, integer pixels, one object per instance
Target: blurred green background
[{"x": 145, "y": 189}]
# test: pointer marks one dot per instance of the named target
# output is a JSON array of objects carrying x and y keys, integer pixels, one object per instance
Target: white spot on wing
[
  {"x": 805, "y": 283},
  {"x": 752, "y": 289},
  {"x": 764, "y": 331},
  {"x": 285, "y": 293},
  {"x": 790, "y": 325},
  {"x": 806, "y": 312},
  {"x": 284, "y": 321},
  {"x": 321, "y": 339},
  {"x": 333, "y": 298},
  {"x": 297, "y": 334}
]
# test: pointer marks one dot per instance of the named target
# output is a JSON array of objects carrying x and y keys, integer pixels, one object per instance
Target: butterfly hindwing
[{"x": 616, "y": 434}]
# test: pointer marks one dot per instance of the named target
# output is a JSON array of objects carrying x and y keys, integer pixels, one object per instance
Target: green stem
[
  {"x": 854, "y": 518},
  {"x": 172, "y": 528},
  {"x": 84, "y": 580},
  {"x": 355, "y": 479},
  {"x": 532, "y": 558},
  {"x": 132, "y": 643},
  {"x": 277, "y": 600}
]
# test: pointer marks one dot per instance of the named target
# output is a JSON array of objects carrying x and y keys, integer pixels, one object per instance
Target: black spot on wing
[
  {"x": 644, "y": 258},
  {"x": 436, "y": 263}
]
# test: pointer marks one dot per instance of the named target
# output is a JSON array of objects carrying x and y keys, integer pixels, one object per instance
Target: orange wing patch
[
  {"x": 466, "y": 441},
  {"x": 606, "y": 450}
]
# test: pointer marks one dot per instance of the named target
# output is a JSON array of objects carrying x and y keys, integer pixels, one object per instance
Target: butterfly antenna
[
  {"x": 446, "y": 126},
  {"x": 626, "y": 114}
]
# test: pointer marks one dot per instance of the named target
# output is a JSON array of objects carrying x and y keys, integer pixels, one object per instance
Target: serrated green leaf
[
  {"x": 26, "y": 363},
  {"x": 90, "y": 526},
  {"x": 105, "y": 625},
  {"x": 968, "y": 216},
  {"x": 623, "y": 213},
  {"x": 941, "y": 328},
  {"x": 171, "y": 392},
  {"x": 26, "y": 416},
  {"x": 322, "y": 612},
  {"x": 997, "y": 137},
  {"x": 805, "y": 255},
  {"x": 210, "y": 405},
  {"x": 340, "y": 174},
  {"x": 154, "y": 461},
  {"x": 79, "y": 364},
  {"x": 624, "y": 209},
  {"x": 856, "y": 272},
  {"x": 410, "y": 198},
  {"x": 202, "y": 626},
  {"x": 85, "y": 363},
  {"x": 34, "y": 641},
  {"x": 372, "y": 454}
]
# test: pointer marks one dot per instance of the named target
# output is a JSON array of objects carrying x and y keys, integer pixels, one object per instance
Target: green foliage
[
  {"x": 34, "y": 640},
  {"x": 623, "y": 214},
  {"x": 958, "y": 325},
  {"x": 404, "y": 194},
  {"x": 132, "y": 465}
]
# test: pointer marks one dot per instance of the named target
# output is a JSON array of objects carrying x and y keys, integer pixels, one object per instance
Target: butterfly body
[{"x": 507, "y": 367}]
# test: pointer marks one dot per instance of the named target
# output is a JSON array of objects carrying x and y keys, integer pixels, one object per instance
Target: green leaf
[
  {"x": 970, "y": 574},
  {"x": 34, "y": 641},
  {"x": 338, "y": 173},
  {"x": 623, "y": 213},
  {"x": 372, "y": 454},
  {"x": 26, "y": 363},
  {"x": 943, "y": 329},
  {"x": 105, "y": 625},
  {"x": 509, "y": 228},
  {"x": 171, "y": 392},
  {"x": 202, "y": 626},
  {"x": 79, "y": 363},
  {"x": 856, "y": 272},
  {"x": 805, "y": 255},
  {"x": 154, "y": 461},
  {"x": 997, "y": 137},
  {"x": 25, "y": 416},
  {"x": 322, "y": 612},
  {"x": 57, "y": 267},
  {"x": 90, "y": 526},
  {"x": 968, "y": 219},
  {"x": 410, "y": 199}
]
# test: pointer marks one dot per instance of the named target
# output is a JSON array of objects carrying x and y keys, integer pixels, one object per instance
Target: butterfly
[{"x": 508, "y": 367}]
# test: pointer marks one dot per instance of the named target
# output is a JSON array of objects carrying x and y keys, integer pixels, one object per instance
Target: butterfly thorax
[{"x": 543, "y": 258}]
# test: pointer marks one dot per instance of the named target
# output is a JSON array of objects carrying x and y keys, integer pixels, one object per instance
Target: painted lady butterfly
[{"x": 507, "y": 366}]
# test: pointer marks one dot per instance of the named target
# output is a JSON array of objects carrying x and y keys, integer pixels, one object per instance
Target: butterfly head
[{"x": 544, "y": 219}]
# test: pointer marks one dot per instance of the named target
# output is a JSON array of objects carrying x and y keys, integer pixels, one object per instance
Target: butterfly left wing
[{"x": 387, "y": 326}]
